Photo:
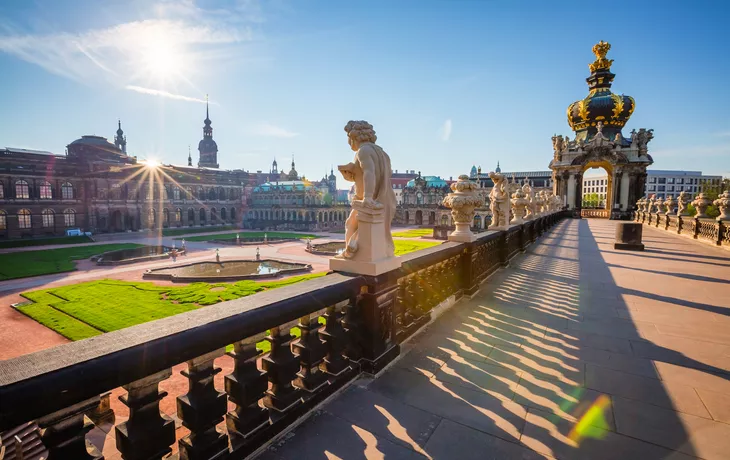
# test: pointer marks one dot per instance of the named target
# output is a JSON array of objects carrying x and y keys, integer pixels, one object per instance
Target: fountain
[
  {"x": 229, "y": 270},
  {"x": 332, "y": 248},
  {"x": 133, "y": 255}
]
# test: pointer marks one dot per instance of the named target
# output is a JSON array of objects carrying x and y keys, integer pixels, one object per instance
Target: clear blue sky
[{"x": 446, "y": 84}]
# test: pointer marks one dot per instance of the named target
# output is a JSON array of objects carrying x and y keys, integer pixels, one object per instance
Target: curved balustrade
[
  {"x": 599, "y": 213},
  {"x": 704, "y": 229},
  {"x": 347, "y": 325}
]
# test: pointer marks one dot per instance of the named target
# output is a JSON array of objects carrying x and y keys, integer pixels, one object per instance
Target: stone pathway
[{"x": 576, "y": 351}]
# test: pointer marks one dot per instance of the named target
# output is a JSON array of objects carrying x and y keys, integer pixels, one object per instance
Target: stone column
[
  {"x": 624, "y": 191},
  {"x": 571, "y": 191},
  {"x": 579, "y": 191}
]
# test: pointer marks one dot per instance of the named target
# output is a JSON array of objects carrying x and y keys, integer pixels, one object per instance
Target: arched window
[
  {"x": 3, "y": 220},
  {"x": 231, "y": 194},
  {"x": 67, "y": 191},
  {"x": 2, "y": 190},
  {"x": 178, "y": 214},
  {"x": 152, "y": 218},
  {"x": 202, "y": 216},
  {"x": 201, "y": 193},
  {"x": 213, "y": 215},
  {"x": 176, "y": 193},
  {"x": 211, "y": 194},
  {"x": 46, "y": 192},
  {"x": 24, "y": 218},
  {"x": 69, "y": 217},
  {"x": 233, "y": 214},
  {"x": 223, "y": 214},
  {"x": 191, "y": 216},
  {"x": 22, "y": 191},
  {"x": 48, "y": 219},
  {"x": 188, "y": 192},
  {"x": 166, "y": 216}
]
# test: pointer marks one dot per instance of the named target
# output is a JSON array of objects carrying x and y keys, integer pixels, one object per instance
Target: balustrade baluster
[
  {"x": 311, "y": 352},
  {"x": 281, "y": 367},
  {"x": 352, "y": 324},
  {"x": 147, "y": 434},
  {"x": 335, "y": 342},
  {"x": 201, "y": 409},
  {"x": 64, "y": 433},
  {"x": 245, "y": 386}
]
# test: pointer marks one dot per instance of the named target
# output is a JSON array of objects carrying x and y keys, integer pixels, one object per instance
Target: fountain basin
[
  {"x": 252, "y": 241},
  {"x": 229, "y": 270},
  {"x": 134, "y": 255},
  {"x": 333, "y": 248}
]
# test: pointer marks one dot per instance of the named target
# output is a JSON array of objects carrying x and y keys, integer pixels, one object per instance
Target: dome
[
  {"x": 95, "y": 141},
  {"x": 428, "y": 181},
  {"x": 601, "y": 105},
  {"x": 473, "y": 172}
]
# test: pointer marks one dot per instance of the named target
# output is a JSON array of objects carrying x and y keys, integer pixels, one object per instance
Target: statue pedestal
[
  {"x": 462, "y": 237},
  {"x": 372, "y": 256}
]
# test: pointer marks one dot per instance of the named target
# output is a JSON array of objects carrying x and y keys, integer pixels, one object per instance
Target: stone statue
[
  {"x": 669, "y": 204},
  {"x": 519, "y": 204},
  {"x": 701, "y": 202},
  {"x": 617, "y": 139},
  {"x": 462, "y": 201},
  {"x": 682, "y": 203},
  {"x": 723, "y": 204},
  {"x": 527, "y": 192},
  {"x": 369, "y": 247},
  {"x": 499, "y": 202},
  {"x": 641, "y": 138},
  {"x": 558, "y": 144},
  {"x": 652, "y": 201},
  {"x": 599, "y": 129}
]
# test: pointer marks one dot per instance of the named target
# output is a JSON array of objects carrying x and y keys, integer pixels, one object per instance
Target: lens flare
[{"x": 593, "y": 423}]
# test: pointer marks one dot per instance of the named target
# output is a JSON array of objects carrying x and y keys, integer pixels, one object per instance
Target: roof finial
[
  {"x": 600, "y": 49},
  {"x": 190, "y": 158},
  {"x": 206, "y": 107}
]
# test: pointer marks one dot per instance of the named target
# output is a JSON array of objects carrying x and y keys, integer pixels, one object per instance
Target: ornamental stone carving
[
  {"x": 701, "y": 203},
  {"x": 519, "y": 206},
  {"x": 669, "y": 204},
  {"x": 527, "y": 192},
  {"x": 652, "y": 202},
  {"x": 462, "y": 201},
  {"x": 682, "y": 203},
  {"x": 723, "y": 204},
  {"x": 640, "y": 204},
  {"x": 499, "y": 202},
  {"x": 369, "y": 248}
]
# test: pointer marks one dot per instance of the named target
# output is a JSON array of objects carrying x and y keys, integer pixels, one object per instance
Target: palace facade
[
  {"x": 96, "y": 186},
  {"x": 286, "y": 201}
]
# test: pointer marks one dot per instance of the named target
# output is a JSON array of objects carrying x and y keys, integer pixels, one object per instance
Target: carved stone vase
[
  {"x": 723, "y": 203},
  {"x": 462, "y": 202},
  {"x": 519, "y": 205},
  {"x": 701, "y": 203}
]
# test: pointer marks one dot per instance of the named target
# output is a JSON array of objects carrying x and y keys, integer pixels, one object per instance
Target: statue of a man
[
  {"x": 499, "y": 201},
  {"x": 370, "y": 170}
]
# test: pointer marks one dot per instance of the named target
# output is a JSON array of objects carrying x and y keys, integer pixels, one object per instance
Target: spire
[
  {"x": 207, "y": 117},
  {"x": 499, "y": 170},
  {"x": 120, "y": 140},
  {"x": 190, "y": 158}
]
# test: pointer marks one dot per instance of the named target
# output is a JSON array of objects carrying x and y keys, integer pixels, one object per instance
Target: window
[
  {"x": 46, "y": 193},
  {"x": 3, "y": 220},
  {"x": 660, "y": 188},
  {"x": 69, "y": 217},
  {"x": 652, "y": 188},
  {"x": 662, "y": 180},
  {"x": 48, "y": 219},
  {"x": 176, "y": 193},
  {"x": 680, "y": 180},
  {"x": 652, "y": 180},
  {"x": 67, "y": 191},
  {"x": 23, "y": 216},
  {"x": 670, "y": 188},
  {"x": 670, "y": 180},
  {"x": 21, "y": 190},
  {"x": 2, "y": 190},
  {"x": 165, "y": 216},
  {"x": 178, "y": 213}
]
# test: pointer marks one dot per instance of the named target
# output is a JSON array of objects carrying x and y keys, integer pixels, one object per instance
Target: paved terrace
[{"x": 575, "y": 351}]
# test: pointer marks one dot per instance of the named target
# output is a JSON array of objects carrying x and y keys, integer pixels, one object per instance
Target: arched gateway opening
[
  {"x": 596, "y": 190},
  {"x": 599, "y": 142}
]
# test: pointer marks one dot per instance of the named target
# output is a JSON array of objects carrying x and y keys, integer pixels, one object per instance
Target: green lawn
[
  {"x": 226, "y": 236},
  {"x": 406, "y": 246},
  {"x": 27, "y": 242},
  {"x": 32, "y": 263},
  {"x": 192, "y": 231},
  {"x": 414, "y": 233},
  {"x": 84, "y": 310}
]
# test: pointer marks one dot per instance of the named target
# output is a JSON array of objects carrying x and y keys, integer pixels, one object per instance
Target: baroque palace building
[
  {"x": 286, "y": 201},
  {"x": 96, "y": 186}
]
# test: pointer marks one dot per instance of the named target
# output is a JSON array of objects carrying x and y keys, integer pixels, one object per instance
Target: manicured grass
[
  {"x": 23, "y": 243},
  {"x": 192, "y": 231},
  {"x": 32, "y": 263},
  {"x": 84, "y": 310},
  {"x": 406, "y": 246},
  {"x": 228, "y": 236},
  {"x": 414, "y": 233}
]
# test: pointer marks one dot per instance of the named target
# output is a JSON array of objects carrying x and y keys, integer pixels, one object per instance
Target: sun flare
[{"x": 161, "y": 59}]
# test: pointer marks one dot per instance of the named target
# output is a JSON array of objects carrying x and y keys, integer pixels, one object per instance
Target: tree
[
  {"x": 711, "y": 193},
  {"x": 592, "y": 200}
]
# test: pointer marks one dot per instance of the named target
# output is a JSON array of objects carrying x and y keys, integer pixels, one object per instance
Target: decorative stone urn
[
  {"x": 682, "y": 204},
  {"x": 537, "y": 204},
  {"x": 669, "y": 204},
  {"x": 723, "y": 203},
  {"x": 462, "y": 201},
  {"x": 701, "y": 203},
  {"x": 519, "y": 206}
]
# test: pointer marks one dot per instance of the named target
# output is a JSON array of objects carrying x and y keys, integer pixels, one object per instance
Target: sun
[
  {"x": 161, "y": 59},
  {"x": 152, "y": 163}
]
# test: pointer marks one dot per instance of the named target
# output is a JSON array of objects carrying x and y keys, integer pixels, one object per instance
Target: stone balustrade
[
  {"x": 348, "y": 325},
  {"x": 713, "y": 231}
]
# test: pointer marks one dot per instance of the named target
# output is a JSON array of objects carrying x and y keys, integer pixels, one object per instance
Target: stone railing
[
  {"x": 709, "y": 230},
  {"x": 601, "y": 213},
  {"x": 346, "y": 325}
]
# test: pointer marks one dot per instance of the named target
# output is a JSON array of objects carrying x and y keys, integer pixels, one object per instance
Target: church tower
[
  {"x": 207, "y": 147},
  {"x": 120, "y": 140}
]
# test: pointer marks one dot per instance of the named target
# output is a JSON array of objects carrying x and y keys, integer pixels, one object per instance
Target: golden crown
[{"x": 600, "y": 49}]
